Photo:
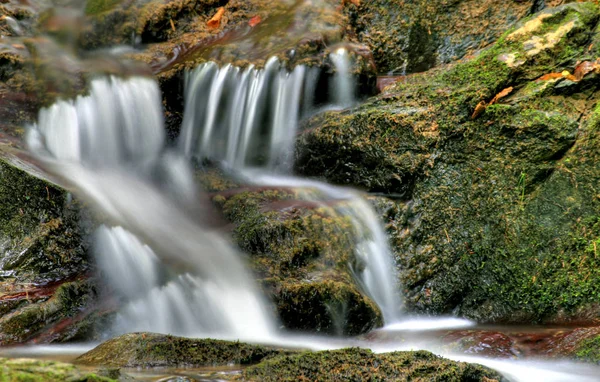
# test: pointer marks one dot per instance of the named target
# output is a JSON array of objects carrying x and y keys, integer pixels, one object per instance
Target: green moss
[
  {"x": 359, "y": 364},
  {"x": 95, "y": 7},
  {"x": 28, "y": 370},
  {"x": 589, "y": 350},
  {"x": 156, "y": 350},
  {"x": 507, "y": 200}
]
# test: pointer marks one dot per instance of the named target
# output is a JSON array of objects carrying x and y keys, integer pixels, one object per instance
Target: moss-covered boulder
[
  {"x": 157, "y": 350},
  {"x": 359, "y": 364},
  {"x": 495, "y": 212},
  {"x": 303, "y": 250},
  {"x": 45, "y": 291},
  {"x": 47, "y": 371},
  {"x": 414, "y": 36}
]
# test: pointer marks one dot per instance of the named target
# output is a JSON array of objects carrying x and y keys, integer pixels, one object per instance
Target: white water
[
  {"x": 247, "y": 98},
  {"x": 208, "y": 290},
  {"x": 343, "y": 84},
  {"x": 232, "y": 115}
]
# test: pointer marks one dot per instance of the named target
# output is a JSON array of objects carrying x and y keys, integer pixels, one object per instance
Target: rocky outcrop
[
  {"x": 492, "y": 166},
  {"x": 302, "y": 251},
  {"x": 45, "y": 291}
]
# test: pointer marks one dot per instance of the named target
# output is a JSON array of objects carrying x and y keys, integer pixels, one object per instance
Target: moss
[
  {"x": 327, "y": 307},
  {"x": 156, "y": 350},
  {"x": 507, "y": 200},
  {"x": 589, "y": 350},
  {"x": 95, "y": 7},
  {"x": 66, "y": 302},
  {"x": 302, "y": 250},
  {"x": 41, "y": 229},
  {"x": 404, "y": 37},
  {"x": 359, "y": 364},
  {"x": 27, "y": 370}
]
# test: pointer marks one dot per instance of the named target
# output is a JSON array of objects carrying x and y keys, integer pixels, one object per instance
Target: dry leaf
[
  {"x": 502, "y": 94},
  {"x": 254, "y": 21},
  {"x": 550, "y": 76},
  {"x": 355, "y": 2},
  {"x": 215, "y": 21},
  {"x": 480, "y": 108}
]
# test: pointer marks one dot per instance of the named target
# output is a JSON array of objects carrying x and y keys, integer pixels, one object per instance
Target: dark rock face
[
  {"x": 495, "y": 215},
  {"x": 414, "y": 36},
  {"x": 45, "y": 291}
]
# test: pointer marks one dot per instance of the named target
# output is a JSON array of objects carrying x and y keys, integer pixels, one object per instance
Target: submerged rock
[
  {"x": 359, "y": 364},
  {"x": 157, "y": 350},
  {"x": 496, "y": 211}
]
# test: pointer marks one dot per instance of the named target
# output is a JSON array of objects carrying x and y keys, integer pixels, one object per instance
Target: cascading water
[
  {"x": 260, "y": 112},
  {"x": 242, "y": 110},
  {"x": 97, "y": 145}
]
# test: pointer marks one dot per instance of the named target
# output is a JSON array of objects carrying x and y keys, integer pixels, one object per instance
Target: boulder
[{"x": 492, "y": 170}]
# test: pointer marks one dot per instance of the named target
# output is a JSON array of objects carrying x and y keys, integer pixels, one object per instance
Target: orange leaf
[
  {"x": 254, "y": 21},
  {"x": 550, "y": 76},
  {"x": 480, "y": 108},
  {"x": 215, "y": 21},
  {"x": 502, "y": 94}
]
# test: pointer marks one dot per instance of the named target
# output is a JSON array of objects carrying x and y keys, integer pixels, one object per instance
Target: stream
[{"x": 173, "y": 272}]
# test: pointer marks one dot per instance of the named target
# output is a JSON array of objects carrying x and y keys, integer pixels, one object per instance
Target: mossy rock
[
  {"x": 506, "y": 198},
  {"x": 408, "y": 37},
  {"x": 326, "y": 307},
  {"x": 39, "y": 226},
  {"x": 303, "y": 252},
  {"x": 157, "y": 350},
  {"x": 30, "y": 370},
  {"x": 359, "y": 364}
]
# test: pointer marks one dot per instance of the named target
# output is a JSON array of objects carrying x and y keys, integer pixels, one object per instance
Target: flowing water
[
  {"x": 93, "y": 145},
  {"x": 172, "y": 272}
]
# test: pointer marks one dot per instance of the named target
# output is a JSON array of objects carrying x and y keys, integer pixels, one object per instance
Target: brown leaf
[
  {"x": 502, "y": 94},
  {"x": 215, "y": 21},
  {"x": 254, "y": 21},
  {"x": 583, "y": 69},
  {"x": 550, "y": 76},
  {"x": 480, "y": 108}
]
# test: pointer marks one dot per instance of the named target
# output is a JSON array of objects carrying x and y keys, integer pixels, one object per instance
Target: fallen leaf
[
  {"x": 172, "y": 25},
  {"x": 584, "y": 68},
  {"x": 254, "y": 21},
  {"x": 480, "y": 108},
  {"x": 215, "y": 21},
  {"x": 550, "y": 76},
  {"x": 355, "y": 2},
  {"x": 502, "y": 94}
]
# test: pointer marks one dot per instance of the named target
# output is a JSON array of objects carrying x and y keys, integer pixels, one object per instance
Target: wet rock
[
  {"x": 481, "y": 343},
  {"x": 302, "y": 250},
  {"x": 582, "y": 344},
  {"x": 506, "y": 199},
  {"x": 359, "y": 364},
  {"x": 157, "y": 350},
  {"x": 45, "y": 291}
]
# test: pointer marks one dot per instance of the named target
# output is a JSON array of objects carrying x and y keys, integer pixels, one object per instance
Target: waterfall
[
  {"x": 171, "y": 272},
  {"x": 343, "y": 84},
  {"x": 242, "y": 117},
  {"x": 238, "y": 116}
]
